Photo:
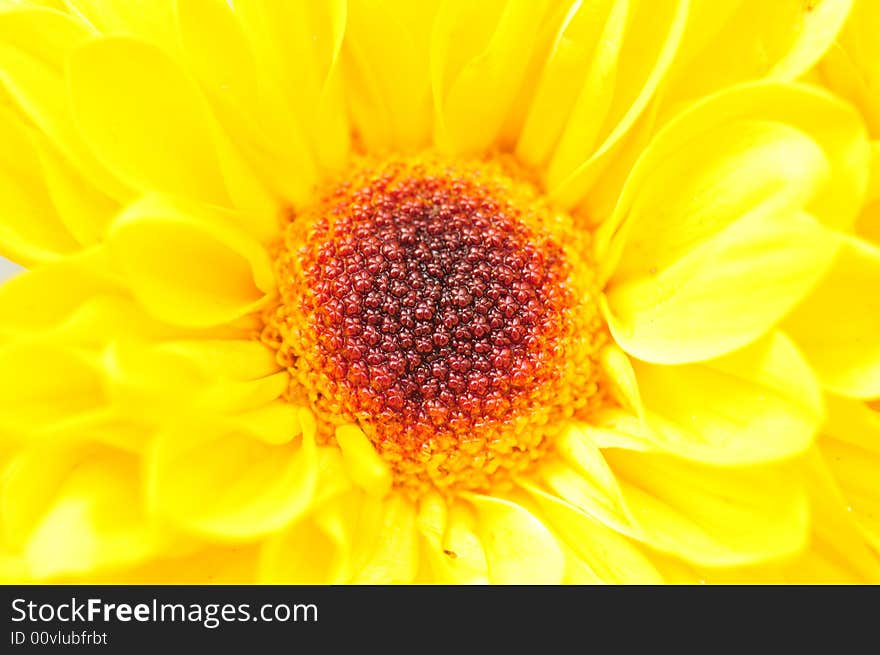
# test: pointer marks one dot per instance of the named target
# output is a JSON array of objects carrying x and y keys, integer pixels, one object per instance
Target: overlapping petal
[
  {"x": 71, "y": 511},
  {"x": 703, "y": 514},
  {"x": 754, "y": 192},
  {"x": 219, "y": 480},
  {"x": 837, "y": 325},
  {"x": 758, "y": 404},
  {"x": 190, "y": 266}
]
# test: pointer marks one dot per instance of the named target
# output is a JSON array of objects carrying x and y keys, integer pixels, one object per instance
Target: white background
[{"x": 7, "y": 268}]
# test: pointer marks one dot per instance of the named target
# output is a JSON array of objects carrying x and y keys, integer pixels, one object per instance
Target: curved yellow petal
[
  {"x": 744, "y": 200},
  {"x": 247, "y": 102},
  {"x": 226, "y": 358},
  {"x": 723, "y": 294},
  {"x": 626, "y": 70},
  {"x": 333, "y": 480},
  {"x": 838, "y": 325},
  {"x": 364, "y": 465},
  {"x": 394, "y": 557},
  {"x": 451, "y": 545},
  {"x": 479, "y": 56},
  {"x": 851, "y": 67},
  {"x": 586, "y": 33},
  {"x": 31, "y": 230},
  {"x": 733, "y": 41},
  {"x": 856, "y": 471},
  {"x": 43, "y": 385},
  {"x": 315, "y": 550},
  {"x": 387, "y": 80},
  {"x": 210, "y": 564},
  {"x": 610, "y": 556},
  {"x": 150, "y": 20},
  {"x": 519, "y": 547},
  {"x": 786, "y": 121},
  {"x": 75, "y": 511},
  {"x": 276, "y": 423},
  {"x": 582, "y": 477},
  {"x": 85, "y": 210},
  {"x": 851, "y": 451},
  {"x": 622, "y": 381},
  {"x": 152, "y": 381},
  {"x": 225, "y": 484},
  {"x": 713, "y": 516},
  {"x": 75, "y": 300},
  {"x": 190, "y": 269},
  {"x": 217, "y": 50},
  {"x": 758, "y": 404},
  {"x": 837, "y": 552},
  {"x": 79, "y": 307},
  {"x": 151, "y": 128},
  {"x": 35, "y": 45},
  {"x": 297, "y": 44}
]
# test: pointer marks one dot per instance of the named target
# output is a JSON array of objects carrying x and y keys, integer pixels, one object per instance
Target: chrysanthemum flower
[{"x": 391, "y": 292}]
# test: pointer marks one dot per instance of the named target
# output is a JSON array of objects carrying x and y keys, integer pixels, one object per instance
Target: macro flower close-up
[{"x": 459, "y": 292}]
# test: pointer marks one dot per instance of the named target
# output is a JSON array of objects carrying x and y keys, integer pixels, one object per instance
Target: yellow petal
[
  {"x": 76, "y": 511},
  {"x": 85, "y": 210},
  {"x": 723, "y": 294},
  {"x": 74, "y": 302},
  {"x": 229, "y": 485},
  {"x": 31, "y": 230},
  {"x": 394, "y": 559},
  {"x": 332, "y": 477},
  {"x": 151, "y": 20},
  {"x": 837, "y": 552},
  {"x": 154, "y": 381},
  {"x": 850, "y": 67},
  {"x": 43, "y": 385},
  {"x": 672, "y": 251},
  {"x": 479, "y": 56},
  {"x": 34, "y": 47},
  {"x": 275, "y": 424},
  {"x": 851, "y": 451},
  {"x": 210, "y": 564},
  {"x": 217, "y": 50},
  {"x": 576, "y": 55},
  {"x": 621, "y": 377},
  {"x": 582, "y": 477},
  {"x": 759, "y": 124},
  {"x": 519, "y": 547},
  {"x": 298, "y": 44},
  {"x": 154, "y": 129},
  {"x": 755, "y": 405},
  {"x": 452, "y": 547},
  {"x": 315, "y": 550},
  {"x": 838, "y": 325},
  {"x": 387, "y": 82},
  {"x": 220, "y": 56},
  {"x": 630, "y": 61},
  {"x": 610, "y": 556},
  {"x": 856, "y": 470},
  {"x": 365, "y": 466},
  {"x": 191, "y": 270},
  {"x": 713, "y": 516},
  {"x": 151, "y": 127},
  {"x": 734, "y": 41},
  {"x": 228, "y": 358}
]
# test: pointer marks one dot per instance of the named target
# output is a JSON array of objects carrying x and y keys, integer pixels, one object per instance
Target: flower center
[{"x": 445, "y": 309}]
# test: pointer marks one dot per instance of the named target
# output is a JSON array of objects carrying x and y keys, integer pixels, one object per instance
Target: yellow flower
[{"x": 391, "y": 292}]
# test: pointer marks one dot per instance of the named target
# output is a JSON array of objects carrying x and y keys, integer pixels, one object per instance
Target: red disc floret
[{"x": 434, "y": 305}]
